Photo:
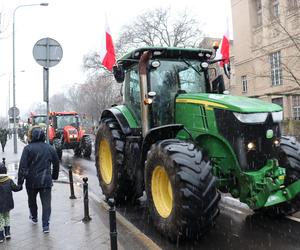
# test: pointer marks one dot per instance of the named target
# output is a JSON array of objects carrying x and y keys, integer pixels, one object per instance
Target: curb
[{"x": 149, "y": 244}]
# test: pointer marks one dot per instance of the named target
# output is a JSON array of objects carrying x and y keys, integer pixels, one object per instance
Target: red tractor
[{"x": 65, "y": 133}]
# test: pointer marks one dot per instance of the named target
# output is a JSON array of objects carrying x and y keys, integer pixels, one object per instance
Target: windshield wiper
[{"x": 190, "y": 65}]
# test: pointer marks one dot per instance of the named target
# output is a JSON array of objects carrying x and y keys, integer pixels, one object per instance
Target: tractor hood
[{"x": 239, "y": 104}]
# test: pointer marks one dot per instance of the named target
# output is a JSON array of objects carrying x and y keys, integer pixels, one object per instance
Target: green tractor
[{"x": 183, "y": 141}]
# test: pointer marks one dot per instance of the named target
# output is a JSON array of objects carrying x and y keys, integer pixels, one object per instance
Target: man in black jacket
[{"x": 35, "y": 167}]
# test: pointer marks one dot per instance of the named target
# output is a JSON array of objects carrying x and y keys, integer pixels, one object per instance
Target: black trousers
[{"x": 45, "y": 196}]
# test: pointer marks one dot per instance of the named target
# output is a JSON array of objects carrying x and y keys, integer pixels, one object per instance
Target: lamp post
[{"x": 14, "y": 76}]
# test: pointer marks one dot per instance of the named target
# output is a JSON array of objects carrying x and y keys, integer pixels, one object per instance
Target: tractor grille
[{"x": 239, "y": 135}]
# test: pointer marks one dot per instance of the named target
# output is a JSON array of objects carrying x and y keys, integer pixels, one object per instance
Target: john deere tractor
[
  {"x": 182, "y": 140},
  {"x": 65, "y": 132}
]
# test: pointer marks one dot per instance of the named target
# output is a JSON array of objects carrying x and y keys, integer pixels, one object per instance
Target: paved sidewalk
[{"x": 67, "y": 231}]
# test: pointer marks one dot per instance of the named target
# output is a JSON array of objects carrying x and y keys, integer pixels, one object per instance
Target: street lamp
[{"x": 14, "y": 76}]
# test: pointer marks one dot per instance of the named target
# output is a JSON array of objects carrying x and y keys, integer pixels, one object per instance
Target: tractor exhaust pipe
[{"x": 143, "y": 63}]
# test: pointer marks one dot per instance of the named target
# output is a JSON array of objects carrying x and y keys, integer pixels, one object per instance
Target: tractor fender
[
  {"x": 118, "y": 115},
  {"x": 157, "y": 134}
]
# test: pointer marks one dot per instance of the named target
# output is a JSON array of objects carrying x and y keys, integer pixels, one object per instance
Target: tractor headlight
[
  {"x": 251, "y": 117},
  {"x": 277, "y": 116},
  {"x": 251, "y": 146}
]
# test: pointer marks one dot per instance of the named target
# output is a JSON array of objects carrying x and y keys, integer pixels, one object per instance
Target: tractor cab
[{"x": 169, "y": 72}]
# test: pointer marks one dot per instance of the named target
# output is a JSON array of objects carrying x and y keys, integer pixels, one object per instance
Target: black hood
[{"x": 37, "y": 135}]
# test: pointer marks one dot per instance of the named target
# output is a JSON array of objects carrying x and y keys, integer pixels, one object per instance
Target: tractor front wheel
[
  {"x": 110, "y": 161},
  {"x": 86, "y": 146},
  {"x": 181, "y": 190}
]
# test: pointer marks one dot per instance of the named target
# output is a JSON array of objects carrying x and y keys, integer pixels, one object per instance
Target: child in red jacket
[{"x": 7, "y": 185}]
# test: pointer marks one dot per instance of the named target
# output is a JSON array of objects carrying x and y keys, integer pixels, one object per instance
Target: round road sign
[
  {"x": 11, "y": 112},
  {"x": 47, "y": 52}
]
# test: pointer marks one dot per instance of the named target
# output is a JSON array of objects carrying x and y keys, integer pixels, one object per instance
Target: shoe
[
  {"x": 2, "y": 236},
  {"x": 7, "y": 232},
  {"x": 46, "y": 230},
  {"x": 33, "y": 220}
]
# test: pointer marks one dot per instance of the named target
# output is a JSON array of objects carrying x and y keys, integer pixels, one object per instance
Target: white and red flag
[
  {"x": 223, "y": 52},
  {"x": 107, "y": 50}
]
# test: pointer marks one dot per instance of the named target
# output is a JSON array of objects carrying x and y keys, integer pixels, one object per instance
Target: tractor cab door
[{"x": 132, "y": 97}]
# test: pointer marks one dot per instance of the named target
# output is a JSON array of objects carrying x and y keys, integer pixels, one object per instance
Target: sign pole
[
  {"x": 46, "y": 97},
  {"x": 47, "y": 52}
]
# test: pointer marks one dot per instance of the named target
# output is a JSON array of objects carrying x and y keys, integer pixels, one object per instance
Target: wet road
[{"x": 235, "y": 228}]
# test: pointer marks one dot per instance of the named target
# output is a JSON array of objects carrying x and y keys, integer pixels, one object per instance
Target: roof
[{"x": 165, "y": 53}]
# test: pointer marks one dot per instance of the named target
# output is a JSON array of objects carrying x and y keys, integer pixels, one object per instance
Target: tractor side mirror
[
  {"x": 119, "y": 73},
  {"x": 218, "y": 85}
]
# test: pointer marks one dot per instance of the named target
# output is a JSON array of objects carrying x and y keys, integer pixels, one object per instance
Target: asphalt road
[{"x": 236, "y": 228}]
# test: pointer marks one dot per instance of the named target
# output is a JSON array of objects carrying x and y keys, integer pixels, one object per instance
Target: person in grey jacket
[
  {"x": 7, "y": 185},
  {"x": 35, "y": 167}
]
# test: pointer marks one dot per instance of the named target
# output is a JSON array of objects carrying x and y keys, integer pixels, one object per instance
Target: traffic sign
[
  {"x": 47, "y": 52},
  {"x": 11, "y": 112}
]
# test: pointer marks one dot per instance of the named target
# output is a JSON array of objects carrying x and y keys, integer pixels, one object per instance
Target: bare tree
[
  {"x": 160, "y": 28},
  {"x": 59, "y": 102}
]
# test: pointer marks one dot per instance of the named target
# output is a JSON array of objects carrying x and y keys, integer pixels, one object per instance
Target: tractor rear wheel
[
  {"x": 86, "y": 146},
  {"x": 58, "y": 147},
  {"x": 181, "y": 190},
  {"x": 110, "y": 161},
  {"x": 289, "y": 158}
]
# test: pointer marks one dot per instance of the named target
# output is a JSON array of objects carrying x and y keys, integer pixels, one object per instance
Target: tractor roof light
[
  {"x": 204, "y": 65},
  {"x": 216, "y": 45}
]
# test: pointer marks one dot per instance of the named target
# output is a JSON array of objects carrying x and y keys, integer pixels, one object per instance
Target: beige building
[{"x": 267, "y": 52}]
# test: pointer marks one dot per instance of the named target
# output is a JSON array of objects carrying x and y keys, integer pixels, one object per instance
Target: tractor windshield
[
  {"x": 65, "y": 120},
  {"x": 39, "y": 119},
  {"x": 178, "y": 76}
]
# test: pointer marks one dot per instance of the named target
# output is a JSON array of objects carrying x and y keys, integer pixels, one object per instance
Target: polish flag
[
  {"x": 225, "y": 46},
  {"x": 107, "y": 50}
]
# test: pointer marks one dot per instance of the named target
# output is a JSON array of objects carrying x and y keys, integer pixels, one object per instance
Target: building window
[
  {"x": 296, "y": 107},
  {"x": 244, "y": 84},
  {"x": 258, "y": 8},
  {"x": 276, "y": 72},
  {"x": 274, "y": 8},
  {"x": 278, "y": 101},
  {"x": 292, "y": 5}
]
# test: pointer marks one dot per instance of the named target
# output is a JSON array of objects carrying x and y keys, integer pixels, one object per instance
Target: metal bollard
[
  {"x": 3, "y": 161},
  {"x": 112, "y": 224},
  {"x": 87, "y": 217},
  {"x": 71, "y": 182}
]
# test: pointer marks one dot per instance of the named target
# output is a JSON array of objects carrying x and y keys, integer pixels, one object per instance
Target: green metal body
[{"x": 257, "y": 188}]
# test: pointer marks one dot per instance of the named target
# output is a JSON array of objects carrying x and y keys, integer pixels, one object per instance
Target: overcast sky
[{"x": 76, "y": 25}]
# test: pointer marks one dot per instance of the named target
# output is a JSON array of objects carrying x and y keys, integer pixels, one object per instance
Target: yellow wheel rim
[
  {"x": 105, "y": 163},
  {"x": 162, "y": 192}
]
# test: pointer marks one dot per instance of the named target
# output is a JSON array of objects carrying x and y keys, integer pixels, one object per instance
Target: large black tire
[
  {"x": 86, "y": 146},
  {"x": 110, "y": 161},
  {"x": 77, "y": 151},
  {"x": 58, "y": 147},
  {"x": 289, "y": 158},
  {"x": 191, "y": 206}
]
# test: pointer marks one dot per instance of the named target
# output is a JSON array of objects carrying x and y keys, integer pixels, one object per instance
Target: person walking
[
  {"x": 3, "y": 138},
  {"x": 7, "y": 185},
  {"x": 35, "y": 167}
]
